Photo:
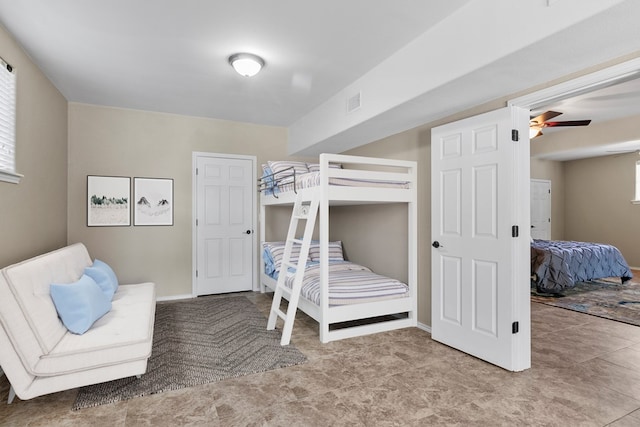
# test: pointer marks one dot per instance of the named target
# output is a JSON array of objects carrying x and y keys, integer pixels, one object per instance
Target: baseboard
[
  {"x": 174, "y": 297},
  {"x": 424, "y": 327}
]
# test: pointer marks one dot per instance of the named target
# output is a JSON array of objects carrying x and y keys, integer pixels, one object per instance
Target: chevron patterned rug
[{"x": 199, "y": 341}]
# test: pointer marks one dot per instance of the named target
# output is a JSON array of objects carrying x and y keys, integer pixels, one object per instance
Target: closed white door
[
  {"x": 541, "y": 209},
  {"x": 480, "y": 223},
  {"x": 225, "y": 197}
]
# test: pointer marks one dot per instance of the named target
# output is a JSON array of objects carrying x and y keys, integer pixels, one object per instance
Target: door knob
[
  {"x": 436, "y": 244},
  {"x": 248, "y": 232}
]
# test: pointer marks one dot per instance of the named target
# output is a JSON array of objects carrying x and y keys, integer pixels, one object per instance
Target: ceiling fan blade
[
  {"x": 567, "y": 123},
  {"x": 547, "y": 115}
]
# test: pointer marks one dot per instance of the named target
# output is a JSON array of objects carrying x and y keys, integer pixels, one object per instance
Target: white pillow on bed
[
  {"x": 282, "y": 166},
  {"x": 335, "y": 251}
]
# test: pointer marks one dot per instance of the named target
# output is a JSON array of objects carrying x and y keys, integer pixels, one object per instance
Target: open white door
[{"x": 480, "y": 231}]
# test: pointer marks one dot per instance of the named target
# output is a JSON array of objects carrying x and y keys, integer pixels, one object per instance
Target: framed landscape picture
[
  {"x": 153, "y": 201},
  {"x": 108, "y": 201}
]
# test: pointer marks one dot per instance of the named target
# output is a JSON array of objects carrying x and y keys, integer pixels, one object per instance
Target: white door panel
[
  {"x": 224, "y": 231},
  {"x": 479, "y": 271},
  {"x": 541, "y": 209}
]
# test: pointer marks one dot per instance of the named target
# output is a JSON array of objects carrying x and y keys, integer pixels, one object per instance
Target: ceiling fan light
[
  {"x": 246, "y": 64},
  {"x": 533, "y": 132}
]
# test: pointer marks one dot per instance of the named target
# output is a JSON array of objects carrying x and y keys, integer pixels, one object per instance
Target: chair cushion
[
  {"x": 80, "y": 304},
  {"x": 122, "y": 335}
]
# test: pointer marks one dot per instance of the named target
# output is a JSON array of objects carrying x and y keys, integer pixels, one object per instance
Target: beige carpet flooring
[{"x": 586, "y": 371}]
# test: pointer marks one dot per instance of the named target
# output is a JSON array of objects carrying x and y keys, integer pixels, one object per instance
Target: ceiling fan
[{"x": 537, "y": 123}]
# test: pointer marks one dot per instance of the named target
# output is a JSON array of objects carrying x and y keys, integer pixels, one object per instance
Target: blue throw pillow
[
  {"x": 79, "y": 304},
  {"x": 104, "y": 267},
  {"x": 103, "y": 280}
]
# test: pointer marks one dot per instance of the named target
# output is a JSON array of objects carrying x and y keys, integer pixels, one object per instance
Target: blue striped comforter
[{"x": 349, "y": 283}]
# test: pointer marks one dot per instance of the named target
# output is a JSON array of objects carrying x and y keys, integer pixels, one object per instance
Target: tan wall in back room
[
  {"x": 120, "y": 142},
  {"x": 33, "y": 214},
  {"x": 598, "y": 203}
]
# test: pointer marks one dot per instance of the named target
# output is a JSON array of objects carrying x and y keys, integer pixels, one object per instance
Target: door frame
[
  {"x": 609, "y": 76},
  {"x": 194, "y": 210}
]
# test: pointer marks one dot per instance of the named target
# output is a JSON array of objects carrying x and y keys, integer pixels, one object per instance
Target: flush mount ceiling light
[{"x": 246, "y": 64}]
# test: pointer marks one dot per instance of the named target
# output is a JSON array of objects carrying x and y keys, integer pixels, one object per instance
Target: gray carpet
[{"x": 197, "y": 342}]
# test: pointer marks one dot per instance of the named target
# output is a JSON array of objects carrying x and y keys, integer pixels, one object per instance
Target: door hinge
[
  {"x": 515, "y": 135},
  {"x": 515, "y": 327},
  {"x": 196, "y": 222},
  {"x": 515, "y": 231},
  {"x": 197, "y": 172},
  {"x": 196, "y": 273}
]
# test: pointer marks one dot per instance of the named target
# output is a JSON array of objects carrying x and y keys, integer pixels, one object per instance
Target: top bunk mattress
[{"x": 287, "y": 176}]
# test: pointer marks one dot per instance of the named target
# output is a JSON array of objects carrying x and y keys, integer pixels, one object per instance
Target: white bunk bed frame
[{"x": 334, "y": 195}]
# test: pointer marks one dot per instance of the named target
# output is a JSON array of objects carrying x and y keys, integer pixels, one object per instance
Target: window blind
[{"x": 7, "y": 117}]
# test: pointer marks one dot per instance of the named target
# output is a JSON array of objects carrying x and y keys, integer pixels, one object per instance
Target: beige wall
[
  {"x": 33, "y": 214},
  {"x": 120, "y": 142},
  {"x": 598, "y": 203},
  {"x": 364, "y": 230},
  {"x": 554, "y": 172}
]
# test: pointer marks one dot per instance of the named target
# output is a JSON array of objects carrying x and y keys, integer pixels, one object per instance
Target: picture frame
[
  {"x": 108, "y": 201},
  {"x": 152, "y": 201}
]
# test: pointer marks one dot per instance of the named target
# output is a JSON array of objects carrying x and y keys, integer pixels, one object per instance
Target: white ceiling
[
  {"x": 610, "y": 103},
  {"x": 172, "y": 56},
  {"x": 613, "y": 102}
]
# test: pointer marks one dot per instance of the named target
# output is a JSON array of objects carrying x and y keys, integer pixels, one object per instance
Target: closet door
[
  {"x": 541, "y": 209},
  {"x": 225, "y": 216},
  {"x": 480, "y": 237}
]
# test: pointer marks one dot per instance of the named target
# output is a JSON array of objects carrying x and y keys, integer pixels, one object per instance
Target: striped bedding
[
  {"x": 312, "y": 179},
  {"x": 349, "y": 283}
]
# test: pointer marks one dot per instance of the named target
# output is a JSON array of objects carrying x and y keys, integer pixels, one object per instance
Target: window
[{"x": 8, "y": 124}]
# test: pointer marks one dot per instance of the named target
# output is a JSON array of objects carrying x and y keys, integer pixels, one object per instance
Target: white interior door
[
  {"x": 480, "y": 201},
  {"x": 225, "y": 215},
  {"x": 541, "y": 209}
]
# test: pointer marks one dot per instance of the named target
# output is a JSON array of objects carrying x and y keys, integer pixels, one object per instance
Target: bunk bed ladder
[{"x": 303, "y": 210}]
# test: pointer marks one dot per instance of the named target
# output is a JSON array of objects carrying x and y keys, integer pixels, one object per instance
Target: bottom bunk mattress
[
  {"x": 558, "y": 265},
  {"x": 349, "y": 283}
]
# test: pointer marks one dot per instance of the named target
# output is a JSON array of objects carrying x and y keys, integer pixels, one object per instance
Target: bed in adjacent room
[{"x": 557, "y": 265}]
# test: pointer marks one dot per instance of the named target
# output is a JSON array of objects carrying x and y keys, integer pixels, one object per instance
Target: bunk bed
[{"x": 340, "y": 180}]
